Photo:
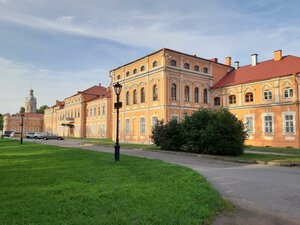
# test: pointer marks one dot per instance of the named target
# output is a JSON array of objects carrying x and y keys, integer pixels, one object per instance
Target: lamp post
[
  {"x": 22, "y": 124},
  {"x": 117, "y": 106}
]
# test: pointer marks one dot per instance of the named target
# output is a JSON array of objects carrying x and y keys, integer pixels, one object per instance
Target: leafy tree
[
  {"x": 41, "y": 110},
  {"x": 206, "y": 131},
  {"x": 1, "y": 121},
  {"x": 22, "y": 110}
]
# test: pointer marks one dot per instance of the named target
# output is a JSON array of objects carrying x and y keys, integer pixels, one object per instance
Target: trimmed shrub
[{"x": 206, "y": 131}]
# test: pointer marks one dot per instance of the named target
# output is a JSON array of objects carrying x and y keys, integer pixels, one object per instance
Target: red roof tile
[{"x": 262, "y": 71}]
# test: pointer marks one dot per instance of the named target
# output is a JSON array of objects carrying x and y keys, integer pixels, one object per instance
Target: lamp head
[{"x": 118, "y": 88}]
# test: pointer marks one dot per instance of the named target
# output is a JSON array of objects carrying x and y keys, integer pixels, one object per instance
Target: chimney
[
  {"x": 277, "y": 55},
  {"x": 228, "y": 61},
  {"x": 236, "y": 64},
  {"x": 214, "y": 60},
  {"x": 99, "y": 84},
  {"x": 254, "y": 59}
]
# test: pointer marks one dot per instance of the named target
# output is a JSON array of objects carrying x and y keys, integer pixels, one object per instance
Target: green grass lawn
[
  {"x": 273, "y": 149},
  {"x": 43, "y": 184}
]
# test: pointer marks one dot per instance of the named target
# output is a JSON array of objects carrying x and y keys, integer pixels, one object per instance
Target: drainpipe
[{"x": 297, "y": 104}]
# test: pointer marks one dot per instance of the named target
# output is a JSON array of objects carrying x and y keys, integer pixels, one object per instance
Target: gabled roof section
[
  {"x": 96, "y": 90},
  {"x": 262, "y": 71}
]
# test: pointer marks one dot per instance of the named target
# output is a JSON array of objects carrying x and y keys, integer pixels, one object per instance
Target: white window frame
[
  {"x": 152, "y": 120},
  {"x": 253, "y": 121},
  {"x": 268, "y": 95},
  {"x": 289, "y": 91},
  {"x": 263, "y": 123},
  {"x": 288, "y": 113},
  {"x": 127, "y": 126},
  {"x": 142, "y": 125}
]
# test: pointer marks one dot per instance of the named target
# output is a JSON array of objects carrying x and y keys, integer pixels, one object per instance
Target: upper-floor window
[
  {"x": 91, "y": 113},
  {"x": 249, "y": 97},
  {"x": 142, "y": 68},
  {"x": 119, "y": 77},
  {"x": 173, "y": 62},
  {"x": 205, "y": 70},
  {"x": 217, "y": 101},
  {"x": 196, "y": 93},
  {"x": 94, "y": 111},
  {"x": 267, "y": 95},
  {"x": 187, "y": 93},
  {"x": 103, "y": 110},
  {"x": 134, "y": 97},
  {"x": 205, "y": 96},
  {"x": 135, "y": 71},
  {"x": 155, "y": 92},
  {"x": 127, "y": 98},
  {"x": 186, "y": 66},
  {"x": 127, "y": 74},
  {"x": 142, "y": 95},
  {"x": 288, "y": 92},
  {"x": 99, "y": 111},
  {"x": 196, "y": 68},
  {"x": 232, "y": 99},
  {"x": 154, "y": 64},
  {"x": 173, "y": 91}
]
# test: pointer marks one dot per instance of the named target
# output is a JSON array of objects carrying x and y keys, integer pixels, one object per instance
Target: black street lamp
[
  {"x": 22, "y": 125},
  {"x": 117, "y": 105}
]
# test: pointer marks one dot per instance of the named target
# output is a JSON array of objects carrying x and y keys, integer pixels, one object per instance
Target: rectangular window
[
  {"x": 289, "y": 123},
  {"x": 288, "y": 92},
  {"x": 127, "y": 126},
  {"x": 154, "y": 120},
  {"x": 142, "y": 126},
  {"x": 249, "y": 124},
  {"x": 268, "y": 124},
  {"x": 103, "y": 130},
  {"x": 103, "y": 110},
  {"x": 98, "y": 110}
]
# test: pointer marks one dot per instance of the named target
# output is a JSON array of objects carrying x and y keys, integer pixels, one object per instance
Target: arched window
[
  {"x": 154, "y": 64},
  {"x": 118, "y": 77},
  {"x": 186, "y": 66},
  {"x": 249, "y": 97},
  {"x": 142, "y": 68},
  {"x": 216, "y": 101},
  {"x": 196, "y": 68},
  {"x": 155, "y": 92},
  {"x": 142, "y": 95},
  {"x": 127, "y": 74},
  {"x": 205, "y": 70},
  {"x": 187, "y": 93},
  {"x": 135, "y": 71},
  {"x": 127, "y": 98},
  {"x": 134, "y": 97},
  {"x": 173, "y": 91},
  {"x": 232, "y": 99},
  {"x": 196, "y": 93},
  {"x": 173, "y": 62},
  {"x": 205, "y": 96}
]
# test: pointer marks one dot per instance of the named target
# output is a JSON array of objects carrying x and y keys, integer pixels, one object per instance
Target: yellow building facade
[{"x": 160, "y": 86}]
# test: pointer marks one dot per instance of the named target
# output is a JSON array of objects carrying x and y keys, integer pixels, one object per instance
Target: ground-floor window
[
  {"x": 268, "y": 123},
  {"x": 127, "y": 121},
  {"x": 288, "y": 122},
  {"x": 142, "y": 125}
]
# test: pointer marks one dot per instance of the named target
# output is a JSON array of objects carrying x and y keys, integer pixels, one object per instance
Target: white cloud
[{"x": 17, "y": 79}]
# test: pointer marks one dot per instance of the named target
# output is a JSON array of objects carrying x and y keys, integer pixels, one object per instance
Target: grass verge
[
  {"x": 43, "y": 184},
  {"x": 273, "y": 149}
]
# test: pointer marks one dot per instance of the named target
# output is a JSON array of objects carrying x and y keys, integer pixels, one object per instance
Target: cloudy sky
[{"x": 59, "y": 47}]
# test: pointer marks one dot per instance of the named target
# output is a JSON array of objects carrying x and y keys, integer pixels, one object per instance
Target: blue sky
[{"x": 59, "y": 47}]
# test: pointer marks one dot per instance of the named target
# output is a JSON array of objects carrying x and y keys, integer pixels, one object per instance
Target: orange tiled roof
[
  {"x": 95, "y": 90},
  {"x": 262, "y": 71}
]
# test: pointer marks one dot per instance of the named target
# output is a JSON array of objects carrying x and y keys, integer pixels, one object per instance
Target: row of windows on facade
[
  {"x": 89, "y": 113},
  {"x": 267, "y": 95},
  {"x": 268, "y": 124},
  {"x": 142, "y": 125},
  {"x": 31, "y": 123},
  {"x": 173, "y": 94},
  {"x": 92, "y": 130},
  {"x": 173, "y": 63}
]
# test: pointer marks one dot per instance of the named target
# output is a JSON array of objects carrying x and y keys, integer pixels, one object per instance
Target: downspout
[{"x": 297, "y": 104}]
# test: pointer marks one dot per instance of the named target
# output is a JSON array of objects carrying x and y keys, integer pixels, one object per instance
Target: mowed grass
[
  {"x": 43, "y": 184},
  {"x": 294, "y": 151}
]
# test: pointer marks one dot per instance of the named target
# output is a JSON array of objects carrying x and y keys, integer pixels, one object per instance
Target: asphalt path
[{"x": 262, "y": 194}]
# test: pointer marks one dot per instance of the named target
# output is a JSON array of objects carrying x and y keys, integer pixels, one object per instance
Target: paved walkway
[{"x": 262, "y": 194}]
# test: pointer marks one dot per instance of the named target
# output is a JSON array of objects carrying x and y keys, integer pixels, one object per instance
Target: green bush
[
  {"x": 168, "y": 136},
  {"x": 206, "y": 131}
]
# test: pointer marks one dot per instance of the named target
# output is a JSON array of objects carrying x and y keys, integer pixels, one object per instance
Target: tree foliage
[
  {"x": 41, "y": 110},
  {"x": 206, "y": 131},
  {"x": 22, "y": 109},
  {"x": 1, "y": 121}
]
